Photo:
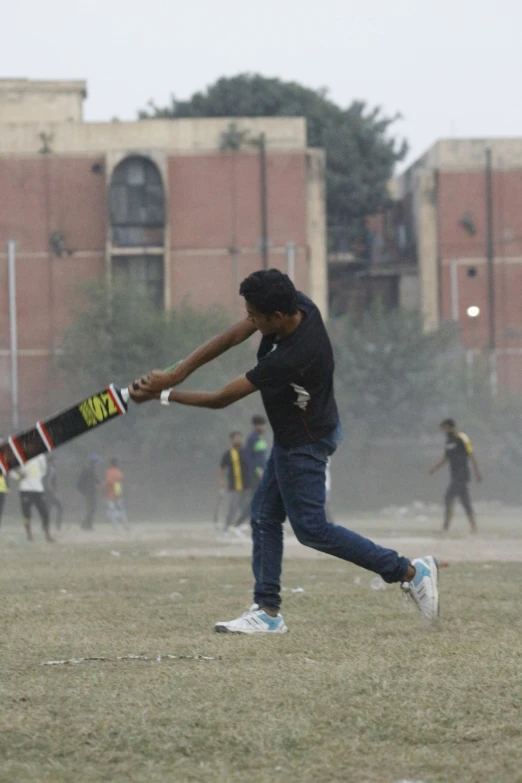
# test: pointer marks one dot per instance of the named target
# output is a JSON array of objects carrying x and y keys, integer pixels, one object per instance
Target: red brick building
[
  {"x": 160, "y": 201},
  {"x": 435, "y": 247}
]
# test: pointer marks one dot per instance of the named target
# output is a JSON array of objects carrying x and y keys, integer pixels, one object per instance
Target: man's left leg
[
  {"x": 268, "y": 516},
  {"x": 122, "y": 513}
]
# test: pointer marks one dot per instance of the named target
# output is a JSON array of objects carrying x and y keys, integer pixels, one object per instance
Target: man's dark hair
[
  {"x": 114, "y": 462},
  {"x": 270, "y": 291},
  {"x": 233, "y": 434},
  {"x": 448, "y": 423},
  {"x": 258, "y": 420}
]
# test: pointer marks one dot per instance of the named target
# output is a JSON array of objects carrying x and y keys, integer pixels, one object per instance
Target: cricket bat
[{"x": 47, "y": 435}]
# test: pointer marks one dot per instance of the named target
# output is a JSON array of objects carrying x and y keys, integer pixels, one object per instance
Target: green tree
[
  {"x": 361, "y": 153},
  {"x": 394, "y": 377},
  {"x": 116, "y": 334}
]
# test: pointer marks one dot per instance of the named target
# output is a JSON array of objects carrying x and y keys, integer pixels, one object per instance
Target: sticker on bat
[{"x": 96, "y": 409}]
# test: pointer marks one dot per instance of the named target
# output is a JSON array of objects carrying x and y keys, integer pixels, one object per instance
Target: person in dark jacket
[
  {"x": 87, "y": 485},
  {"x": 51, "y": 491}
]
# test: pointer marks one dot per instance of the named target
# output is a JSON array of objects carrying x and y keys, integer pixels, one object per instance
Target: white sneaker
[
  {"x": 423, "y": 588},
  {"x": 256, "y": 621}
]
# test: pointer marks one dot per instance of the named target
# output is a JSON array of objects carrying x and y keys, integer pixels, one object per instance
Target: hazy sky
[{"x": 451, "y": 67}]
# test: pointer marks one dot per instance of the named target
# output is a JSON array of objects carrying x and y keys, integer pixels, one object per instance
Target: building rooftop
[{"x": 33, "y": 100}]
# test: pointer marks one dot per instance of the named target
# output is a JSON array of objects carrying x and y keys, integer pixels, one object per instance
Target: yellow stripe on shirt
[
  {"x": 3, "y": 484},
  {"x": 236, "y": 468},
  {"x": 467, "y": 443}
]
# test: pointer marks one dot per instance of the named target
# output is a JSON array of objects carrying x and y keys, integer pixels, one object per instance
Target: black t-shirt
[
  {"x": 295, "y": 377},
  {"x": 458, "y": 449},
  {"x": 235, "y": 463}
]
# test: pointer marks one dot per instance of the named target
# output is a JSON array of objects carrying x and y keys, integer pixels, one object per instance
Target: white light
[{"x": 473, "y": 311}]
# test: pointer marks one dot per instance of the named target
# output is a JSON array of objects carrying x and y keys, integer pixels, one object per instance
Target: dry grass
[{"x": 356, "y": 692}]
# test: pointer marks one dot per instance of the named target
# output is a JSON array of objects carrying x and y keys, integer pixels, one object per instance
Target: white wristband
[{"x": 164, "y": 396}]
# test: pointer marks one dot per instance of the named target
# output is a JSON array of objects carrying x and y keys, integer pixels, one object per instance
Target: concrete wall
[
  {"x": 316, "y": 229},
  {"x": 27, "y": 101},
  {"x": 427, "y": 248},
  {"x": 175, "y": 136}
]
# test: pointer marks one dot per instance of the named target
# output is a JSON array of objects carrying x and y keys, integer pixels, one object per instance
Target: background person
[
  {"x": 114, "y": 494},
  {"x": 32, "y": 493},
  {"x": 4, "y": 489},
  {"x": 255, "y": 452},
  {"x": 87, "y": 485},
  {"x": 458, "y": 454},
  {"x": 294, "y": 374},
  {"x": 233, "y": 475},
  {"x": 51, "y": 491}
]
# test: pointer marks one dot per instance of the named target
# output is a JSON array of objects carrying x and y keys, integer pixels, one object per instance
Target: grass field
[{"x": 356, "y": 692}]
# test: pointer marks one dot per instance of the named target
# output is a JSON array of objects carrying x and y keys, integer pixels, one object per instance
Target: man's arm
[
  {"x": 157, "y": 380},
  {"x": 438, "y": 464},
  {"x": 476, "y": 469},
  {"x": 235, "y": 390}
]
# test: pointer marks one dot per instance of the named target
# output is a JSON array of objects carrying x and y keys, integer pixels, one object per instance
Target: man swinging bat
[{"x": 294, "y": 374}]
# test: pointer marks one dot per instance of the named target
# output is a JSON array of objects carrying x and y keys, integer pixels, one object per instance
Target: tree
[
  {"x": 115, "y": 335},
  {"x": 391, "y": 375},
  {"x": 361, "y": 154}
]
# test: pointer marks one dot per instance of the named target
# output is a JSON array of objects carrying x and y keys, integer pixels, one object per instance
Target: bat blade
[{"x": 47, "y": 435}]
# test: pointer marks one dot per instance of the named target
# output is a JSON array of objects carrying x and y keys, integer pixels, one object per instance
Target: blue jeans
[{"x": 293, "y": 486}]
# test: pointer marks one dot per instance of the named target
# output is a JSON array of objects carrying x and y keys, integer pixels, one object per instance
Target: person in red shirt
[{"x": 114, "y": 494}]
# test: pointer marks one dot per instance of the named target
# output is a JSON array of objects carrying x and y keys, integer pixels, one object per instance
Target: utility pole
[
  {"x": 290, "y": 260},
  {"x": 13, "y": 331},
  {"x": 263, "y": 199},
  {"x": 490, "y": 256}
]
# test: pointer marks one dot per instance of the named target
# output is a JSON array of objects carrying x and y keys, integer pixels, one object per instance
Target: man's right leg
[
  {"x": 465, "y": 499},
  {"x": 2, "y": 502},
  {"x": 233, "y": 505},
  {"x": 40, "y": 503},
  {"x": 449, "y": 504},
  {"x": 90, "y": 501},
  {"x": 25, "y": 504}
]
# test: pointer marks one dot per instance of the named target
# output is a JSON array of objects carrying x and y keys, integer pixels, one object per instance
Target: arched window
[
  {"x": 137, "y": 218},
  {"x": 137, "y": 204}
]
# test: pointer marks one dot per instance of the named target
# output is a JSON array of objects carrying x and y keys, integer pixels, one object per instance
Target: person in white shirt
[{"x": 32, "y": 493}]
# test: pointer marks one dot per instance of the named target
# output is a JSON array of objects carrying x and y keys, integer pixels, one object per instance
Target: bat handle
[{"x": 125, "y": 393}]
